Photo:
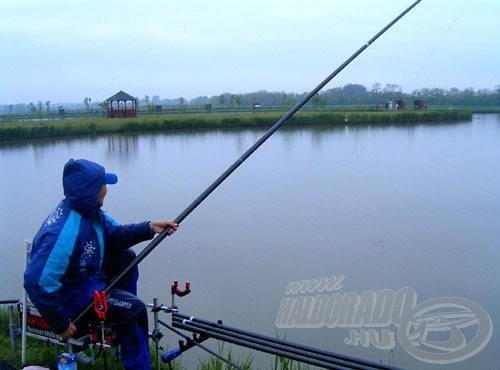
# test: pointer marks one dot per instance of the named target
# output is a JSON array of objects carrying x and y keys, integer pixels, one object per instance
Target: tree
[
  {"x": 222, "y": 100},
  {"x": 32, "y": 108},
  {"x": 376, "y": 88},
  {"x": 392, "y": 88},
  {"x": 318, "y": 101},
  {"x": 47, "y": 106},
  {"x": 238, "y": 100},
  {"x": 285, "y": 100},
  {"x": 355, "y": 93},
  {"x": 334, "y": 96},
  {"x": 87, "y": 101},
  {"x": 104, "y": 107}
]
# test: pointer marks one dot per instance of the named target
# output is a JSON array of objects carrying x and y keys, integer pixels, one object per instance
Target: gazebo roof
[{"x": 121, "y": 96}]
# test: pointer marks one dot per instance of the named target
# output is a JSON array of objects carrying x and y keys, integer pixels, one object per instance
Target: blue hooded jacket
[{"x": 68, "y": 250}]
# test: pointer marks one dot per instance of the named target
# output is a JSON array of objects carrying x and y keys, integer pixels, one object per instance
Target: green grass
[
  {"x": 5, "y": 344},
  {"x": 19, "y": 131},
  {"x": 214, "y": 363},
  {"x": 38, "y": 351}
]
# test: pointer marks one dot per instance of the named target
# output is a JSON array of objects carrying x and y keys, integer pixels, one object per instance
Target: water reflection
[
  {"x": 127, "y": 144},
  {"x": 123, "y": 146}
]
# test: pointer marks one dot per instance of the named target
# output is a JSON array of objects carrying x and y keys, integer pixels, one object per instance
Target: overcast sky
[{"x": 63, "y": 50}]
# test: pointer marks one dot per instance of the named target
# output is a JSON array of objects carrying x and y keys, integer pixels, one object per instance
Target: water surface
[{"x": 385, "y": 206}]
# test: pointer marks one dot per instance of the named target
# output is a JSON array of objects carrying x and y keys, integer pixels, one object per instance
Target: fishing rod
[
  {"x": 168, "y": 357},
  {"x": 159, "y": 238},
  {"x": 275, "y": 346}
]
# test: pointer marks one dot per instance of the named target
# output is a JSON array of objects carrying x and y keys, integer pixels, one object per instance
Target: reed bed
[{"x": 38, "y": 129}]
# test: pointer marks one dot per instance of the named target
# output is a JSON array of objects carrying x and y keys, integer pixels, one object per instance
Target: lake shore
[{"x": 40, "y": 129}]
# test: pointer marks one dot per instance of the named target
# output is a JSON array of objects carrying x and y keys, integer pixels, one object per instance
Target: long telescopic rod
[
  {"x": 275, "y": 346},
  {"x": 159, "y": 238}
]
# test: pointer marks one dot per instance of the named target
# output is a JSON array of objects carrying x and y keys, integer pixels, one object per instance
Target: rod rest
[{"x": 175, "y": 290}]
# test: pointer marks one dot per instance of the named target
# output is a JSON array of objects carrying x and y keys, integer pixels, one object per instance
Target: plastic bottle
[{"x": 66, "y": 361}]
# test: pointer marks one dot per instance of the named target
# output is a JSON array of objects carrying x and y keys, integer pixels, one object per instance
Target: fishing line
[{"x": 438, "y": 44}]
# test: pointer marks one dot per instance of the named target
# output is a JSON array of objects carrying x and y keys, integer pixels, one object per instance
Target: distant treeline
[
  {"x": 348, "y": 95},
  {"x": 359, "y": 95}
]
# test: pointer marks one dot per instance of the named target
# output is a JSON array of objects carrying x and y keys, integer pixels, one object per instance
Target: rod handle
[{"x": 170, "y": 355}]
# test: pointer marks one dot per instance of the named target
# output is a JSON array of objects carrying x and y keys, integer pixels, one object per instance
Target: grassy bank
[{"x": 14, "y": 131}]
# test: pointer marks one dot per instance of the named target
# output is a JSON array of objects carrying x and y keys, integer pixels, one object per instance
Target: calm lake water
[{"x": 387, "y": 207}]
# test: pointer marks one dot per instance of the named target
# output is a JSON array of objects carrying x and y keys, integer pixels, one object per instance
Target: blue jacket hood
[{"x": 82, "y": 181}]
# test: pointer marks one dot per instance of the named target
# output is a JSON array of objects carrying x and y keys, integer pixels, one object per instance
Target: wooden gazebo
[{"x": 121, "y": 105}]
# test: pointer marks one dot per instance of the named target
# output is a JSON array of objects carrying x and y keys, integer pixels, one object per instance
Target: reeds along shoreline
[{"x": 38, "y": 129}]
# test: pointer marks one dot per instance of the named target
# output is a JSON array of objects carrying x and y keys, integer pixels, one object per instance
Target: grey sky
[{"x": 65, "y": 50}]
